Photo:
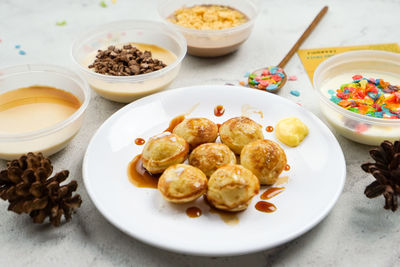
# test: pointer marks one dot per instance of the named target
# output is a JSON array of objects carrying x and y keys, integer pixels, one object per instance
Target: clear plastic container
[
  {"x": 339, "y": 69},
  {"x": 125, "y": 89},
  {"x": 54, "y": 138},
  {"x": 212, "y": 43}
]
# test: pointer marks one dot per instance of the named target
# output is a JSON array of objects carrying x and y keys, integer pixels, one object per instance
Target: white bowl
[
  {"x": 54, "y": 138},
  {"x": 212, "y": 43},
  {"x": 338, "y": 70},
  {"x": 125, "y": 89}
]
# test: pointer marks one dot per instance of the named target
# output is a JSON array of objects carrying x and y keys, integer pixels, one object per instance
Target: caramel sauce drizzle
[
  {"x": 271, "y": 192},
  {"x": 139, "y": 141},
  {"x": 139, "y": 176},
  {"x": 193, "y": 212},
  {"x": 219, "y": 110},
  {"x": 269, "y": 129},
  {"x": 174, "y": 122},
  {"x": 230, "y": 218},
  {"x": 265, "y": 206}
]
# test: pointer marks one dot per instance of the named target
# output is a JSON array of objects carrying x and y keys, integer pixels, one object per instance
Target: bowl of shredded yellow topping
[{"x": 211, "y": 29}]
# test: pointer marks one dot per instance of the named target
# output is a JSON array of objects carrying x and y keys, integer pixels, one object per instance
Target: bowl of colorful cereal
[
  {"x": 211, "y": 28},
  {"x": 359, "y": 94},
  {"x": 128, "y": 59}
]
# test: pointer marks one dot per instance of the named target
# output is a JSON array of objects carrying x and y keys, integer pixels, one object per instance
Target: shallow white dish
[{"x": 316, "y": 177}]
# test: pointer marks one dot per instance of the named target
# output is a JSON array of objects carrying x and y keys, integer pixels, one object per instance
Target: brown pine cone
[
  {"x": 27, "y": 187},
  {"x": 386, "y": 171}
]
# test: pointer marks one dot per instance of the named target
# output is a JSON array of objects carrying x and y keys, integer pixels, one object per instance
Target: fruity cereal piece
[{"x": 370, "y": 97}]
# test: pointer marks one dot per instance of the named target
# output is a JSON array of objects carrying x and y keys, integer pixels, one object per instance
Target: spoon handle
[{"x": 303, "y": 37}]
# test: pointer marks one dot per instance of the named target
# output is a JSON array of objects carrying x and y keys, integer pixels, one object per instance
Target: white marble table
[{"x": 358, "y": 231}]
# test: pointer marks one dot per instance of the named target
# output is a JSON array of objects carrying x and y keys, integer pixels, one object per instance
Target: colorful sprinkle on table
[
  {"x": 103, "y": 4},
  {"x": 295, "y": 93},
  {"x": 20, "y": 51},
  {"x": 270, "y": 78},
  {"x": 370, "y": 97},
  {"x": 242, "y": 83},
  {"x": 61, "y": 23},
  {"x": 293, "y": 78}
]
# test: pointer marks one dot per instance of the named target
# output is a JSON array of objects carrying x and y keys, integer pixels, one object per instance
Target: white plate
[{"x": 316, "y": 177}]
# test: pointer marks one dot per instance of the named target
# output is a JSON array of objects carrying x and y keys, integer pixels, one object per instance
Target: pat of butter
[{"x": 291, "y": 131}]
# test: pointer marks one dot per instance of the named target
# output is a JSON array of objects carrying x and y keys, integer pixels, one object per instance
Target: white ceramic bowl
[
  {"x": 54, "y": 138},
  {"x": 339, "y": 69},
  {"x": 125, "y": 89},
  {"x": 212, "y": 43}
]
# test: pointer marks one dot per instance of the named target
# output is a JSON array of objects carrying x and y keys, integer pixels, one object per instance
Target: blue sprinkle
[
  {"x": 377, "y": 81},
  {"x": 295, "y": 93},
  {"x": 373, "y": 96},
  {"x": 247, "y": 74},
  {"x": 346, "y": 91},
  {"x": 281, "y": 74},
  {"x": 335, "y": 99},
  {"x": 356, "y": 81},
  {"x": 256, "y": 82},
  {"x": 272, "y": 87},
  {"x": 21, "y": 52},
  {"x": 273, "y": 71},
  {"x": 17, "y": 46},
  {"x": 331, "y": 92},
  {"x": 379, "y": 114}
]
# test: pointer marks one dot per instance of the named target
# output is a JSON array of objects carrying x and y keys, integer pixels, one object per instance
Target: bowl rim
[
  {"x": 343, "y": 111},
  {"x": 49, "y": 68},
  {"x": 199, "y": 32},
  {"x": 164, "y": 29}
]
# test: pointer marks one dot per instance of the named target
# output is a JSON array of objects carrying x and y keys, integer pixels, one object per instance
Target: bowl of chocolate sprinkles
[{"x": 125, "y": 60}]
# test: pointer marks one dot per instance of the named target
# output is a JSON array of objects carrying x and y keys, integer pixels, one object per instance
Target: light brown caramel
[{"x": 36, "y": 107}]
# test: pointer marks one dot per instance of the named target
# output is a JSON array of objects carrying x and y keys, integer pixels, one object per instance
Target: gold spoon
[{"x": 278, "y": 70}]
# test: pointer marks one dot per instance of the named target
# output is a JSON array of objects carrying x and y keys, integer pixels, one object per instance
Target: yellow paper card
[{"x": 311, "y": 58}]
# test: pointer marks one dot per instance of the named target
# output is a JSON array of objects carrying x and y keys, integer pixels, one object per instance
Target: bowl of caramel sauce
[{"x": 41, "y": 108}]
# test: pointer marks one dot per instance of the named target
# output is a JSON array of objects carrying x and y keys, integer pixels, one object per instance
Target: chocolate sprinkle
[{"x": 125, "y": 62}]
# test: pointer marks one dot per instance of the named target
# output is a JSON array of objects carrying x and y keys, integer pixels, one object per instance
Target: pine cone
[
  {"x": 26, "y": 186},
  {"x": 386, "y": 171}
]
